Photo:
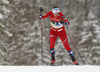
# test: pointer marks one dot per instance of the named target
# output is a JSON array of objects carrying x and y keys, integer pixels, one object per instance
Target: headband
[{"x": 55, "y": 10}]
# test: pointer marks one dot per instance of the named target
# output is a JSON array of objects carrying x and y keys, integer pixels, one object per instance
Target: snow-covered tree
[
  {"x": 4, "y": 33},
  {"x": 90, "y": 40},
  {"x": 20, "y": 32},
  {"x": 19, "y": 36}
]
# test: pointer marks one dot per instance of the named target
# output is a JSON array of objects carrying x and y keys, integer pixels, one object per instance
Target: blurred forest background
[{"x": 20, "y": 32}]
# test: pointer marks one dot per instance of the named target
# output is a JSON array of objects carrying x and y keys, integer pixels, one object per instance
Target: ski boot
[
  {"x": 74, "y": 60},
  {"x": 52, "y": 51},
  {"x": 72, "y": 57},
  {"x": 52, "y": 60}
]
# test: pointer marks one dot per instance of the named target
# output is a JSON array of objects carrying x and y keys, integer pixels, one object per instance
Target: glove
[
  {"x": 61, "y": 21},
  {"x": 41, "y": 9},
  {"x": 66, "y": 23},
  {"x": 40, "y": 16}
]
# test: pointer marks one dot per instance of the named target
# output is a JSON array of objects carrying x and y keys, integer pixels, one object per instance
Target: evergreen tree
[
  {"x": 4, "y": 33},
  {"x": 90, "y": 40}
]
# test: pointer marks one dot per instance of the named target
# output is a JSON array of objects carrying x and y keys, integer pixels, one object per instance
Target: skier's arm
[
  {"x": 42, "y": 16},
  {"x": 64, "y": 19},
  {"x": 45, "y": 15}
]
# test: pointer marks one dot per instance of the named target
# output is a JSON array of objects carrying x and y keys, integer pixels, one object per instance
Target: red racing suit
[{"x": 57, "y": 29}]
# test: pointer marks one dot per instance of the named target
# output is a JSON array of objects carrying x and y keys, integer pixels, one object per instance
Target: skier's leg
[
  {"x": 53, "y": 38},
  {"x": 63, "y": 37},
  {"x": 72, "y": 57}
]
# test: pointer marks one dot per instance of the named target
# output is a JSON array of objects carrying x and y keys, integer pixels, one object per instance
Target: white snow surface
[{"x": 83, "y": 68}]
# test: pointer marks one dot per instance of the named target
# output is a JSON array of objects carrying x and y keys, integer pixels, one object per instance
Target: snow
[
  {"x": 38, "y": 1},
  {"x": 1, "y": 16},
  {"x": 2, "y": 25},
  {"x": 95, "y": 47},
  {"x": 84, "y": 38},
  {"x": 5, "y": 1},
  {"x": 83, "y": 68},
  {"x": 8, "y": 33},
  {"x": 5, "y": 9},
  {"x": 91, "y": 15}
]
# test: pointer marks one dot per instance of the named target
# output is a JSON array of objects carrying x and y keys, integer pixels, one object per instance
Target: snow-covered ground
[{"x": 84, "y": 68}]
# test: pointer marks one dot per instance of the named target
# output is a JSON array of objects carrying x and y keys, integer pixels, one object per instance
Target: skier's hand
[
  {"x": 61, "y": 21},
  {"x": 40, "y": 16},
  {"x": 66, "y": 23},
  {"x": 41, "y": 9}
]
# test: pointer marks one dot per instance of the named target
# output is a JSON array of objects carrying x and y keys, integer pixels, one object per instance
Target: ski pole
[
  {"x": 42, "y": 40},
  {"x": 41, "y": 10},
  {"x": 75, "y": 47}
]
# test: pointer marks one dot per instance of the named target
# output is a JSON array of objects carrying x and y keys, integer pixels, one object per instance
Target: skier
[{"x": 57, "y": 30}]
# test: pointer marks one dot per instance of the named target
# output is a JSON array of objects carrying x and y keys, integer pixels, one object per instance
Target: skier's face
[{"x": 55, "y": 10}]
